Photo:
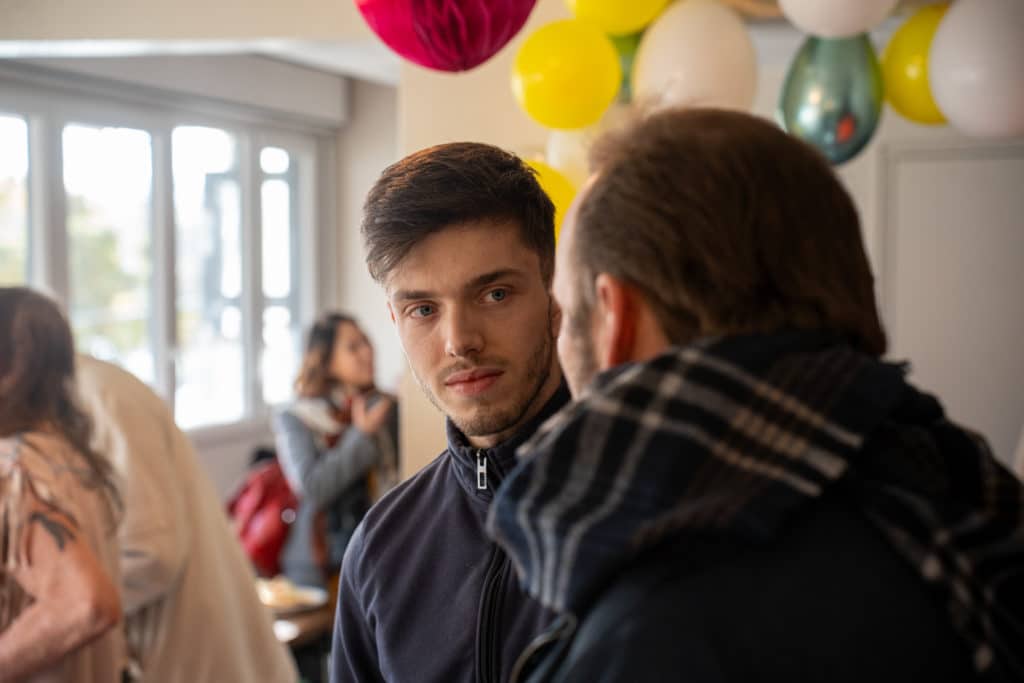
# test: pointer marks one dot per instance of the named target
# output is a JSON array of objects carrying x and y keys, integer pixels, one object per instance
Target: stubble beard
[{"x": 486, "y": 420}]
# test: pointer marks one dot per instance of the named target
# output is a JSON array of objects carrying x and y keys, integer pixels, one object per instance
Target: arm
[
  {"x": 75, "y": 601},
  {"x": 321, "y": 478},
  {"x": 144, "y": 450},
  {"x": 354, "y": 648},
  {"x": 150, "y": 564}
]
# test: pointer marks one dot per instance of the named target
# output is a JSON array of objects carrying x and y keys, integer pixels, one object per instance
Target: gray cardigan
[{"x": 330, "y": 479}]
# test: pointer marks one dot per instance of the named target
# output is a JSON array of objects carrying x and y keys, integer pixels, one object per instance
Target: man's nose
[{"x": 463, "y": 336}]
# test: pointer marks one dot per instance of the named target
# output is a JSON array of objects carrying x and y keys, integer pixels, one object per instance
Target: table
[{"x": 308, "y": 635}]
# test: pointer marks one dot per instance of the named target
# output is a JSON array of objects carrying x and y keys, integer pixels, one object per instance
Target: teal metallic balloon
[{"x": 833, "y": 95}]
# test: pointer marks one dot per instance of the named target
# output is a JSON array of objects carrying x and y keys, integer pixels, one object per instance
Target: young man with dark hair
[
  {"x": 461, "y": 237},
  {"x": 744, "y": 490}
]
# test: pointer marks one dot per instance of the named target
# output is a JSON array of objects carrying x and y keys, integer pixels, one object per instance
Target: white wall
[{"x": 365, "y": 147}]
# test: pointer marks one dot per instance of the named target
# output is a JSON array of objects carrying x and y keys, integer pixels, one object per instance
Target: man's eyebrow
[
  {"x": 495, "y": 275},
  {"x": 411, "y": 294},
  {"x": 477, "y": 282}
]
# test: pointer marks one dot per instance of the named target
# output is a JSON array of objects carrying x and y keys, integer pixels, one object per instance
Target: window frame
[
  {"x": 48, "y": 101},
  {"x": 31, "y": 240}
]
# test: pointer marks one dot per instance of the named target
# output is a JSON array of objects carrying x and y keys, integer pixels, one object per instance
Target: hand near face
[{"x": 370, "y": 419}]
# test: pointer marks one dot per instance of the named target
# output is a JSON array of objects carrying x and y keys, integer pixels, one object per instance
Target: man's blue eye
[
  {"x": 422, "y": 311},
  {"x": 498, "y": 294}
]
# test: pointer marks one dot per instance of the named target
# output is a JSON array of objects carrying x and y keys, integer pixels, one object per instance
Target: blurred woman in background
[
  {"x": 337, "y": 444},
  {"x": 59, "y": 510}
]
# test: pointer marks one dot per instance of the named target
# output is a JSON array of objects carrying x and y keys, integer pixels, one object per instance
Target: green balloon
[
  {"x": 626, "y": 47},
  {"x": 833, "y": 94}
]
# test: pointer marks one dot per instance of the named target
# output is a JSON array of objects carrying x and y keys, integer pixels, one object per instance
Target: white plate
[
  {"x": 285, "y": 631},
  {"x": 307, "y": 598},
  {"x": 298, "y": 598}
]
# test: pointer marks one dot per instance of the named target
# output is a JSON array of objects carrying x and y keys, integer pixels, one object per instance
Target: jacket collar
[
  {"x": 671, "y": 445},
  {"x": 501, "y": 459}
]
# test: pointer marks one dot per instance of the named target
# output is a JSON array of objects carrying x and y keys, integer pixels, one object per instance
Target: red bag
[{"x": 263, "y": 510}]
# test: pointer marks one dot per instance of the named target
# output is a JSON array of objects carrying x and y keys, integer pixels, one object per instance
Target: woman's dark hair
[
  {"x": 37, "y": 370},
  {"x": 314, "y": 378},
  {"x": 450, "y": 185}
]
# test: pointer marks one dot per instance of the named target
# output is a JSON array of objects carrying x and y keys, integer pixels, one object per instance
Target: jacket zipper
[
  {"x": 563, "y": 627},
  {"x": 488, "y": 634},
  {"x": 481, "y": 471},
  {"x": 492, "y": 599}
]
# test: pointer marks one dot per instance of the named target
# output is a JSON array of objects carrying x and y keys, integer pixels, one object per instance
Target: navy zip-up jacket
[{"x": 425, "y": 596}]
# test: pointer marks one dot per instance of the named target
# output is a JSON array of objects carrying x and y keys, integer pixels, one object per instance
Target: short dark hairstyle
[
  {"x": 448, "y": 185},
  {"x": 727, "y": 225}
]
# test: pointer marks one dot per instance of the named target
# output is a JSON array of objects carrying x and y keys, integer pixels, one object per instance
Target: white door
[{"x": 951, "y": 238}]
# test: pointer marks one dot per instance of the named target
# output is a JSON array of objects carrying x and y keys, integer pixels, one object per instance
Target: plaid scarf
[{"x": 736, "y": 436}]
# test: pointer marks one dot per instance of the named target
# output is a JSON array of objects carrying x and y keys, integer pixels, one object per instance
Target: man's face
[
  {"x": 477, "y": 325},
  {"x": 575, "y": 339}
]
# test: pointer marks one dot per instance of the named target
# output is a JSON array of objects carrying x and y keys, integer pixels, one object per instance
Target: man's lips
[
  {"x": 472, "y": 382},
  {"x": 471, "y": 375}
]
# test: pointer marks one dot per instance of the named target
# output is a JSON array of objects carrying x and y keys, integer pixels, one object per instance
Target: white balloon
[
  {"x": 567, "y": 152},
  {"x": 976, "y": 67},
  {"x": 836, "y": 18},
  {"x": 697, "y": 53}
]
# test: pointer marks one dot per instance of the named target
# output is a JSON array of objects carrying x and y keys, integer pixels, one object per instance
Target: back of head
[
  {"x": 36, "y": 362},
  {"x": 449, "y": 185},
  {"x": 728, "y": 226},
  {"x": 37, "y": 366}
]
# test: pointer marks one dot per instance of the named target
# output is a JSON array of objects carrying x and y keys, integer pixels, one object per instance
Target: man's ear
[
  {"x": 556, "y": 316},
  {"x": 615, "y": 321},
  {"x": 391, "y": 312}
]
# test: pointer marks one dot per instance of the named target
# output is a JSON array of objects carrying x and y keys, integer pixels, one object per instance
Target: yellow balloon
[
  {"x": 558, "y": 188},
  {"x": 905, "y": 67},
  {"x": 617, "y": 17},
  {"x": 566, "y": 74}
]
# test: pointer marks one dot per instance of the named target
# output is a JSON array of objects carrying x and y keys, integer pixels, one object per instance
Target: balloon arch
[{"x": 954, "y": 62}]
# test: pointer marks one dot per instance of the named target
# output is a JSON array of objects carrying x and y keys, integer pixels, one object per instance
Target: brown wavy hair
[
  {"x": 314, "y": 380},
  {"x": 37, "y": 370},
  {"x": 728, "y": 226}
]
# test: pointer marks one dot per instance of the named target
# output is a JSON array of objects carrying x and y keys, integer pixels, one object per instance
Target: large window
[
  {"x": 175, "y": 242},
  {"x": 281, "y": 288},
  {"x": 14, "y": 235},
  {"x": 108, "y": 176},
  {"x": 208, "y": 211}
]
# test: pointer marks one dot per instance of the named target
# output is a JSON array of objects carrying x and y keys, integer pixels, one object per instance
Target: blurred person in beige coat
[{"x": 191, "y": 609}]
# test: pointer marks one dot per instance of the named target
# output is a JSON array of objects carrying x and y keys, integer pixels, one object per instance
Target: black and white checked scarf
[{"x": 735, "y": 436}]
